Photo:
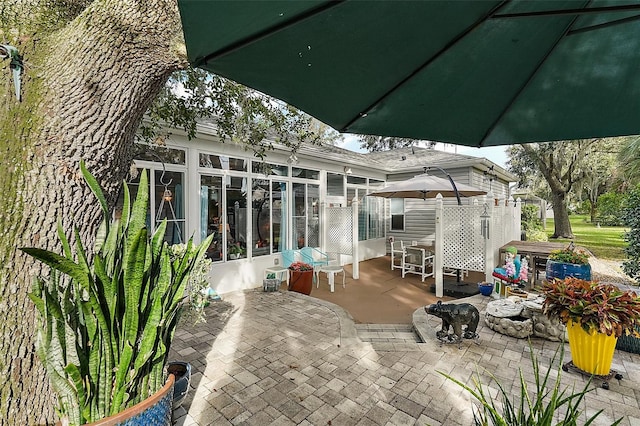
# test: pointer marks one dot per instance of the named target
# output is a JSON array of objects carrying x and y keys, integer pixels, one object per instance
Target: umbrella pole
[
  {"x": 453, "y": 184},
  {"x": 455, "y": 189}
]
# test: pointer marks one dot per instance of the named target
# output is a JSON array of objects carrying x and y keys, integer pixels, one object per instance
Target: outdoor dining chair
[
  {"x": 416, "y": 261},
  {"x": 397, "y": 252}
]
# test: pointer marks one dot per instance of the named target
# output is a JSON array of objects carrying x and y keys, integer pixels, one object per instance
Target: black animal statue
[{"x": 455, "y": 315}]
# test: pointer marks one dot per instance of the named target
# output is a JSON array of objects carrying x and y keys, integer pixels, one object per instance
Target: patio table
[{"x": 331, "y": 271}]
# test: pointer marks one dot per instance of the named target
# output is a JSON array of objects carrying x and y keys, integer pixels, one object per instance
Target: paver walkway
[{"x": 284, "y": 359}]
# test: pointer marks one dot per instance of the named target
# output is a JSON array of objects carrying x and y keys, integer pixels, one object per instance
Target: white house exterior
[{"x": 202, "y": 186}]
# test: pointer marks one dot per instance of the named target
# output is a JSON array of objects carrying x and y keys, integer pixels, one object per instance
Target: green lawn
[{"x": 605, "y": 242}]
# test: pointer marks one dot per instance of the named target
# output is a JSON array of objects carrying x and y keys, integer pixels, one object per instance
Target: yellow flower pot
[{"x": 591, "y": 352}]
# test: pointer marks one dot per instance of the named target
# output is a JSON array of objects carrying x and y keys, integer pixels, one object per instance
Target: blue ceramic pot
[
  {"x": 485, "y": 288},
  {"x": 182, "y": 372},
  {"x": 155, "y": 410},
  {"x": 561, "y": 270}
]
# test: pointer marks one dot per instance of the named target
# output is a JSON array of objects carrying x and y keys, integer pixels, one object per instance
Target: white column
[
  {"x": 517, "y": 216},
  {"x": 489, "y": 244},
  {"x": 354, "y": 239},
  {"x": 439, "y": 246},
  {"x": 323, "y": 226}
]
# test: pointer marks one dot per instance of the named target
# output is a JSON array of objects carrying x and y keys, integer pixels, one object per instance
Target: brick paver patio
[{"x": 287, "y": 359}]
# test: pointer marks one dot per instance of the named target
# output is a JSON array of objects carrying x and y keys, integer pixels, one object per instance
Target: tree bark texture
[
  {"x": 560, "y": 182},
  {"x": 561, "y": 216},
  {"x": 86, "y": 87}
]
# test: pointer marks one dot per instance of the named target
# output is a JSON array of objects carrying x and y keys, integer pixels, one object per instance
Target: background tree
[
  {"x": 631, "y": 266},
  {"x": 387, "y": 143},
  {"x": 599, "y": 173},
  {"x": 629, "y": 160},
  {"x": 564, "y": 165},
  {"x": 92, "y": 69}
]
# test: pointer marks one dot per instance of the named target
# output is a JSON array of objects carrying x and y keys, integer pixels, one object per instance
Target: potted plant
[
  {"x": 301, "y": 277},
  {"x": 485, "y": 288},
  {"x": 595, "y": 315},
  {"x": 108, "y": 315},
  {"x": 198, "y": 289},
  {"x": 568, "y": 262},
  {"x": 235, "y": 251}
]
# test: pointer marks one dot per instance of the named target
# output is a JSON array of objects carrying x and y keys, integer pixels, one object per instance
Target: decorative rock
[
  {"x": 504, "y": 308},
  {"x": 543, "y": 326},
  {"x": 517, "y": 326},
  {"x": 522, "y": 318}
]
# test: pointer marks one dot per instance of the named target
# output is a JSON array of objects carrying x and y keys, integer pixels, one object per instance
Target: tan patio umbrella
[{"x": 427, "y": 186}]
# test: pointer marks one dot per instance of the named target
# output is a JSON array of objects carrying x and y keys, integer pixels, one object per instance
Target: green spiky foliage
[
  {"x": 107, "y": 320},
  {"x": 546, "y": 405}
]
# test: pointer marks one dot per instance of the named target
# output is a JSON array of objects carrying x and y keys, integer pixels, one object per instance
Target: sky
[{"x": 497, "y": 154}]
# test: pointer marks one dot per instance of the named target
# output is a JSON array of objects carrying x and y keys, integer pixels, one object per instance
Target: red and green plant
[
  {"x": 300, "y": 267},
  {"x": 603, "y": 307},
  {"x": 570, "y": 255}
]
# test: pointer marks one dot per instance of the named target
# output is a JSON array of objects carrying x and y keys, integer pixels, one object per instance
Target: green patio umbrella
[{"x": 474, "y": 73}]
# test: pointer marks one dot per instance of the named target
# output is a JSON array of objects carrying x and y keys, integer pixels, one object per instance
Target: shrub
[
  {"x": 197, "y": 286},
  {"x": 529, "y": 218},
  {"x": 537, "y": 235},
  {"x": 610, "y": 210},
  {"x": 631, "y": 217}
]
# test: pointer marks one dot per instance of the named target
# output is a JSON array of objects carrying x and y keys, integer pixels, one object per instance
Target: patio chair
[
  {"x": 314, "y": 257},
  {"x": 416, "y": 261},
  {"x": 289, "y": 256},
  {"x": 397, "y": 252}
]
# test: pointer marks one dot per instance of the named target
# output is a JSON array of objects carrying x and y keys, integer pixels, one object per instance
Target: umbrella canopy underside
[
  {"x": 426, "y": 186},
  {"x": 475, "y": 73}
]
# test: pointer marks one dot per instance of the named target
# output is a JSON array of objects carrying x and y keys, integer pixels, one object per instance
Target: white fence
[
  {"x": 340, "y": 230},
  {"x": 469, "y": 237}
]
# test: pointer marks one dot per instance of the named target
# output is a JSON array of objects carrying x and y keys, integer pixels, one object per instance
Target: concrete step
[{"x": 387, "y": 336}]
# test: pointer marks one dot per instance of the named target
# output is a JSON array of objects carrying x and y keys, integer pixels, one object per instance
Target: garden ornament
[{"x": 455, "y": 315}]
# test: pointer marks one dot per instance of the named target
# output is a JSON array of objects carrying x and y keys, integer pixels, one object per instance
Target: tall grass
[{"x": 605, "y": 242}]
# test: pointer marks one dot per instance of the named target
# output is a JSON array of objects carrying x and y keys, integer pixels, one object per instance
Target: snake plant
[{"x": 108, "y": 318}]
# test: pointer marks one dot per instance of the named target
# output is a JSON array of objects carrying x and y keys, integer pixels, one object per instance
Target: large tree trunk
[
  {"x": 561, "y": 216},
  {"x": 559, "y": 180},
  {"x": 85, "y": 88}
]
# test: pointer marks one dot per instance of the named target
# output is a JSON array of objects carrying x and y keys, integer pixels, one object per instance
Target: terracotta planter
[
  {"x": 591, "y": 352},
  {"x": 155, "y": 410},
  {"x": 561, "y": 270},
  {"x": 301, "y": 281}
]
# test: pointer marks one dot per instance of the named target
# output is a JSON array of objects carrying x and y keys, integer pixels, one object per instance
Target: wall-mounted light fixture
[{"x": 347, "y": 170}]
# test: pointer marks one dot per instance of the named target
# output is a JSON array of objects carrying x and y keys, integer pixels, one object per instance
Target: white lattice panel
[
  {"x": 339, "y": 230},
  {"x": 463, "y": 244}
]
